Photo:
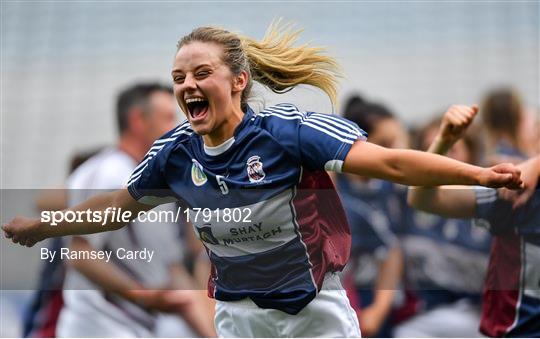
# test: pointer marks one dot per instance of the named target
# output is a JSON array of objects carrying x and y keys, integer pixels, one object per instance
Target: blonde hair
[{"x": 273, "y": 61}]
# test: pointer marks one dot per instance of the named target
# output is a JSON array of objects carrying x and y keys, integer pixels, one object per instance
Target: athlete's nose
[{"x": 189, "y": 82}]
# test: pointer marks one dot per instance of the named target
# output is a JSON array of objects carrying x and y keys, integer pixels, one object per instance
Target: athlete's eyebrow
[
  {"x": 203, "y": 65},
  {"x": 178, "y": 70}
]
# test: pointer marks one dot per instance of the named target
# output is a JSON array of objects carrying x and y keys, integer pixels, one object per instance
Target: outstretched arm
[
  {"x": 28, "y": 231},
  {"x": 416, "y": 168},
  {"x": 460, "y": 202}
]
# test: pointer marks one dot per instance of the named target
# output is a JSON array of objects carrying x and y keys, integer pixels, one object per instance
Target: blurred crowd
[
  {"x": 410, "y": 273},
  {"x": 415, "y": 274}
]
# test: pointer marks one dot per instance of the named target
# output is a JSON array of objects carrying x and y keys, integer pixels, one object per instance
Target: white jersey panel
[
  {"x": 271, "y": 226},
  {"x": 531, "y": 273}
]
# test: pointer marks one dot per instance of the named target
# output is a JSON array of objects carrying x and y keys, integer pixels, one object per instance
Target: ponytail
[
  {"x": 277, "y": 64},
  {"x": 274, "y": 61}
]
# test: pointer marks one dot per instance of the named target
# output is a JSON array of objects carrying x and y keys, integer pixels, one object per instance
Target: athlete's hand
[
  {"x": 456, "y": 121},
  {"x": 25, "y": 231},
  {"x": 502, "y": 175},
  {"x": 530, "y": 172}
]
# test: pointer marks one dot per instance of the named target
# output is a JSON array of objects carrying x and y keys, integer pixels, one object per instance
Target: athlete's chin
[{"x": 201, "y": 128}]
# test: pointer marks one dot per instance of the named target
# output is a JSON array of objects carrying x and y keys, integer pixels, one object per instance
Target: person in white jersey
[{"x": 91, "y": 307}]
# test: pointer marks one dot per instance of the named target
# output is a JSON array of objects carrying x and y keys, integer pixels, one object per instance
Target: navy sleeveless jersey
[{"x": 289, "y": 227}]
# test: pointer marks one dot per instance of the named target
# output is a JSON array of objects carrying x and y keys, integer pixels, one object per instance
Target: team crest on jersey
[
  {"x": 255, "y": 169},
  {"x": 205, "y": 233},
  {"x": 197, "y": 174}
]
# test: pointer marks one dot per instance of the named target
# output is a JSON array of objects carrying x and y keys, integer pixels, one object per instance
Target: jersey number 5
[{"x": 222, "y": 184}]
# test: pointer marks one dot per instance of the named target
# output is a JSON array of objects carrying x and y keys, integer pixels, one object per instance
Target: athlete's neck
[{"x": 225, "y": 131}]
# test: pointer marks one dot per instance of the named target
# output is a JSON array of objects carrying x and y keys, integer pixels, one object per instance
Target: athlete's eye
[
  {"x": 202, "y": 74},
  {"x": 178, "y": 79}
]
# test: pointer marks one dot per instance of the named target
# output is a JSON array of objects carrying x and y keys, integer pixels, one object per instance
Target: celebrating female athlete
[{"x": 276, "y": 231}]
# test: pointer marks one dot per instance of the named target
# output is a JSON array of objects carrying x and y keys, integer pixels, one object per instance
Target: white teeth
[{"x": 190, "y": 100}]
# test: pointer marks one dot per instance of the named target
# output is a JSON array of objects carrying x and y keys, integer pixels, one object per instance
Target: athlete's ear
[{"x": 240, "y": 81}]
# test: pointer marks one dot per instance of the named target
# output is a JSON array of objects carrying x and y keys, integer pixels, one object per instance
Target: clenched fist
[{"x": 456, "y": 121}]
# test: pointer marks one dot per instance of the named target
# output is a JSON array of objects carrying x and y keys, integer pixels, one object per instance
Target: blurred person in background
[
  {"x": 373, "y": 273},
  {"x": 445, "y": 259},
  {"x": 503, "y": 116},
  {"x": 97, "y": 299},
  {"x": 41, "y": 316},
  {"x": 530, "y": 131},
  {"x": 511, "y": 296}
]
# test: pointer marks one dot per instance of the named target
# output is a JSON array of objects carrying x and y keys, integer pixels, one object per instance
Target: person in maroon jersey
[{"x": 511, "y": 298}]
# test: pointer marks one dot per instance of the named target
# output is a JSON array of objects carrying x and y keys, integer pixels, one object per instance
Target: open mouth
[{"x": 197, "y": 107}]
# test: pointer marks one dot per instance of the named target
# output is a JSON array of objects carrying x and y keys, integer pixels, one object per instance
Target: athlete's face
[
  {"x": 207, "y": 91},
  {"x": 389, "y": 133}
]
